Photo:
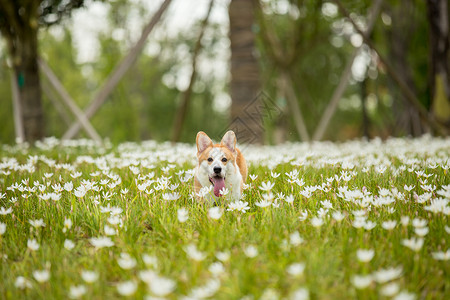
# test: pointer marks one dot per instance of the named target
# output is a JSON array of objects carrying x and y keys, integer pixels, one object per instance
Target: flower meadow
[{"x": 353, "y": 220}]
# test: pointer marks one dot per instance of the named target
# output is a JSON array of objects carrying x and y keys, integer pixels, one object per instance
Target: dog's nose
[{"x": 217, "y": 170}]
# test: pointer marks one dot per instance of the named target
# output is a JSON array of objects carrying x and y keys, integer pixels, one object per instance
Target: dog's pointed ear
[
  {"x": 203, "y": 142},
  {"x": 229, "y": 140}
]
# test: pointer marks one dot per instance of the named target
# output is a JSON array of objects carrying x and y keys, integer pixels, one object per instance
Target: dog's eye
[
  {"x": 210, "y": 159},
  {"x": 224, "y": 159}
]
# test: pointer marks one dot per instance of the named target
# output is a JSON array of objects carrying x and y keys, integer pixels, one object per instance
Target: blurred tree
[
  {"x": 186, "y": 95},
  {"x": 438, "y": 11},
  {"x": 19, "y": 23},
  {"x": 245, "y": 82},
  {"x": 298, "y": 64},
  {"x": 283, "y": 58},
  {"x": 399, "y": 42}
]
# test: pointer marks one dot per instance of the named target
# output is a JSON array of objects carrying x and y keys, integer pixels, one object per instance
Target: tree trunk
[
  {"x": 19, "y": 26},
  {"x": 27, "y": 72},
  {"x": 247, "y": 109},
  {"x": 439, "y": 54}
]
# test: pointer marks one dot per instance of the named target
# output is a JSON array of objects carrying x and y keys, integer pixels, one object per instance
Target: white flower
[
  {"x": 4, "y": 211},
  {"x": 405, "y": 296},
  {"x": 251, "y": 251},
  {"x": 206, "y": 291},
  {"x": 216, "y": 268},
  {"x": 76, "y": 291},
  {"x": 67, "y": 224},
  {"x": 126, "y": 262},
  {"x": 266, "y": 186},
  {"x": 359, "y": 222},
  {"x": 369, "y": 225},
  {"x": 76, "y": 174},
  {"x": 115, "y": 220},
  {"x": 80, "y": 191},
  {"x": 171, "y": 196},
  {"x": 296, "y": 269},
  {"x": 110, "y": 230},
  {"x": 390, "y": 289},
  {"x": 338, "y": 216},
  {"x": 68, "y": 186},
  {"x": 32, "y": 245},
  {"x": 385, "y": 275},
  {"x": 141, "y": 187},
  {"x": 193, "y": 253},
  {"x": 223, "y": 256},
  {"x": 238, "y": 206},
  {"x": 115, "y": 211},
  {"x": 274, "y": 174},
  {"x": 441, "y": 255},
  {"x": 269, "y": 196},
  {"x": 2, "y": 228},
  {"x": 215, "y": 213},
  {"x": 224, "y": 191},
  {"x": 295, "y": 239},
  {"x": 289, "y": 199},
  {"x": 269, "y": 294},
  {"x": 421, "y": 231},
  {"x": 404, "y": 220},
  {"x": 321, "y": 213},
  {"x": 150, "y": 260},
  {"x": 389, "y": 225},
  {"x": 182, "y": 214},
  {"x": 68, "y": 244},
  {"x": 127, "y": 288},
  {"x": 326, "y": 204},
  {"x": 37, "y": 223},
  {"x": 41, "y": 275},
  {"x": 293, "y": 174},
  {"x": 263, "y": 203},
  {"x": 439, "y": 205},
  {"x": 101, "y": 242},
  {"x": 361, "y": 281},
  {"x": 408, "y": 187},
  {"x": 159, "y": 286},
  {"x": 303, "y": 215},
  {"x": 300, "y": 294},
  {"x": 22, "y": 283},
  {"x": 316, "y": 222},
  {"x": 414, "y": 244},
  {"x": 89, "y": 276},
  {"x": 417, "y": 222},
  {"x": 204, "y": 191},
  {"x": 253, "y": 176},
  {"x": 365, "y": 255}
]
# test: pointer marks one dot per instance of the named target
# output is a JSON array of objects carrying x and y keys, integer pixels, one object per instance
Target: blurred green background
[{"x": 319, "y": 38}]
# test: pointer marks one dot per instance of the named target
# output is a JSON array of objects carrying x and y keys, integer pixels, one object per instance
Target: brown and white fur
[{"x": 220, "y": 165}]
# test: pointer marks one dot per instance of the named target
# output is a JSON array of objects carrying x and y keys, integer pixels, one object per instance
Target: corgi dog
[{"x": 220, "y": 166}]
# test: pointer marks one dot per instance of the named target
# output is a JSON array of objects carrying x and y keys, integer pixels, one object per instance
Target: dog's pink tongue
[{"x": 219, "y": 183}]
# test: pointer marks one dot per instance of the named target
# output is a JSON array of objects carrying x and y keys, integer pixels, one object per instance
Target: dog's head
[{"x": 217, "y": 161}]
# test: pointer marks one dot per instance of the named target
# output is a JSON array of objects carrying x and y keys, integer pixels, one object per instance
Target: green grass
[{"x": 149, "y": 224}]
